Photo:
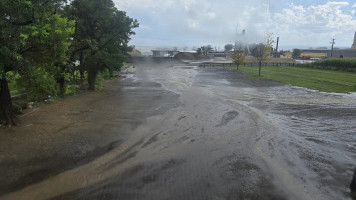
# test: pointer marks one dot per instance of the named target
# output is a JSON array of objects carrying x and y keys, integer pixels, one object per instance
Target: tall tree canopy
[
  {"x": 101, "y": 37},
  {"x": 33, "y": 36},
  {"x": 40, "y": 40}
]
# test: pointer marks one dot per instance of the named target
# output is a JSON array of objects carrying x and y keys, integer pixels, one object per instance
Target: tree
[
  {"x": 296, "y": 53},
  {"x": 238, "y": 58},
  {"x": 228, "y": 47},
  {"x": 262, "y": 51},
  {"x": 40, "y": 46},
  {"x": 33, "y": 37},
  {"x": 204, "y": 50},
  {"x": 199, "y": 51},
  {"x": 102, "y": 35}
]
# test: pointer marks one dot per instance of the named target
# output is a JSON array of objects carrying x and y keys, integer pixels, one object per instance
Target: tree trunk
[
  {"x": 259, "y": 67},
  {"x": 61, "y": 80},
  {"x": 81, "y": 77},
  {"x": 92, "y": 79},
  {"x": 6, "y": 111},
  {"x": 237, "y": 67},
  {"x": 81, "y": 70}
]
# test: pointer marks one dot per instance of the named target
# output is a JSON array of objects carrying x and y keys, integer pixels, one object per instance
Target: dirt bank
[{"x": 50, "y": 140}]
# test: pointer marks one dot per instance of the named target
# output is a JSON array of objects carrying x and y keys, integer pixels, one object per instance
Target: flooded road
[{"x": 184, "y": 132}]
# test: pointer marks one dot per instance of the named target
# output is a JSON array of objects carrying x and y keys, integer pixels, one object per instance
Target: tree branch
[
  {"x": 79, "y": 50},
  {"x": 22, "y": 23}
]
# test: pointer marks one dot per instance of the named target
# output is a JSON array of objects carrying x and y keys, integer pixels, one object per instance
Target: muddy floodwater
[{"x": 171, "y": 130}]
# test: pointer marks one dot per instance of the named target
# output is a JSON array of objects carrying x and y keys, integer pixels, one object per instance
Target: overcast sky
[{"x": 303, "y": 23}]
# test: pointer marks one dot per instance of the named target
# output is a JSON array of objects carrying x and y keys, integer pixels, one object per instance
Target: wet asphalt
[{"x": 184, "y": 132}]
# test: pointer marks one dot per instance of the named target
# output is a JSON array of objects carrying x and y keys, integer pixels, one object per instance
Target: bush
[
  {"x": 12, "y": 80},
  {"x": 106, "y": 74},
  {"x": 18, "y": 105},
  {"x": 70, "y": 90},
  {"x": 38, "y": 84},
  {"x": 336, "y": 63},
  {"x": 99, "y": 82}
]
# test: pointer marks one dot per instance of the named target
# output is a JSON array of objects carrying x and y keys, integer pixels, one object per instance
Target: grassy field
[{"x": 318, "y": 79}]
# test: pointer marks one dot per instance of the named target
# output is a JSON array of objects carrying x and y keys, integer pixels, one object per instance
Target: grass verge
[{"x": 317, "y": 79}]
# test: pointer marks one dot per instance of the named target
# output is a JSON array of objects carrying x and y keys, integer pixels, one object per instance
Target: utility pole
[{"x": 332, "y": 46}]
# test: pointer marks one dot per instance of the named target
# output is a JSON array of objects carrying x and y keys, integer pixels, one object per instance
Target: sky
[{"x": 193, "y": 23}]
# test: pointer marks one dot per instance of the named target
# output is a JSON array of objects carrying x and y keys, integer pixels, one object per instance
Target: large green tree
[
  {"x": 40, "y": 45},
  {"x": 101, "y": 37},
  {"x": 34, "y": 38}
]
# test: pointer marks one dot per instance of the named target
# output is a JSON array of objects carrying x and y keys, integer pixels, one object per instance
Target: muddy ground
[{"x": 175, "y": 131}]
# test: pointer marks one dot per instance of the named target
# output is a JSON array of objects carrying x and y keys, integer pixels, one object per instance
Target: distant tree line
[
  {"x": 45, "y": 43},
  {"x": 204, "y": 50},
  {"x": 262, "y": 51}
]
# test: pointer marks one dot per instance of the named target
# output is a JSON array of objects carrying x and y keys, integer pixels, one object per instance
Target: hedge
[{"x": 344, "y": 64}]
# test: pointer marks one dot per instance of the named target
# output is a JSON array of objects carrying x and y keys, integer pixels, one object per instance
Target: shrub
[
  {"x": 99, "y": 82},
  {"x": 38, "y": 84},
  {"x": 337, "y": 63}
]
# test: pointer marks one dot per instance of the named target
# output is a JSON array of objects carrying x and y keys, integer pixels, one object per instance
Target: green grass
[{"x": 318, "y": 79}]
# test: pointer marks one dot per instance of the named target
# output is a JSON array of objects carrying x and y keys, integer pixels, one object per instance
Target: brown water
[{"x": 209, "y": 133}]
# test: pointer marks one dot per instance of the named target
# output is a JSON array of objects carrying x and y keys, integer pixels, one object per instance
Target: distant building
[
  {"x": 336, "y": 53},
  {"x": 218, "y": 54},
  {"x": 164, "y": 53}
]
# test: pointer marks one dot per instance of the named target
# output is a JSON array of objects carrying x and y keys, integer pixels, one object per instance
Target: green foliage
[
  {"x": 32, "y": 29},
  {"x": 336, "y": 63},
  {"x": 238, "y": 57},
  {"x": 70, "y": 90},
  {"x": 17, "y": 108},
  {"x": 262, "y": 52},
  {"x": 35, "y": 39},
  {"x": 106, "y": 74},
  {"x": 70, "y": 79},
  {"x": 99, "y": 82},
  {"x": 12, "y": 78},
  {"x": 41, "y": 40},
  {"x": 38, "y": 83},
  {"x": 101, "y": 36}
]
